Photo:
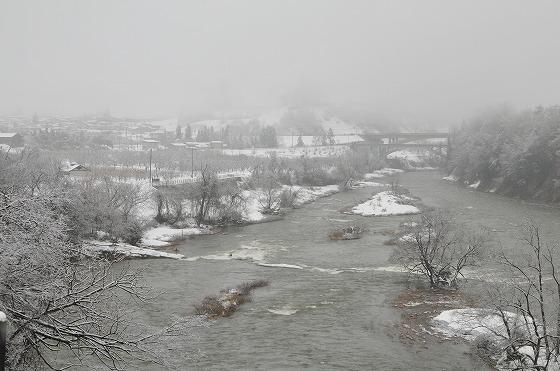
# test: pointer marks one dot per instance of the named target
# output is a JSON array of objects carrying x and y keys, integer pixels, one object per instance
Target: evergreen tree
[
  {"x": 188, "y": 132},
  {"x": 178, "y": 134},
  {"x": 330, "y": 137},
  {"x": 300, "y": 141}
]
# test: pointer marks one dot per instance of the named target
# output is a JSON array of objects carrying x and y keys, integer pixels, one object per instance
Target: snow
[
  {"x": 475, "y": 185},
  {"x": 385, "y": 204},
  {"x": 364, "y": 184},
  {"x": 163, "y": 235},
  {"x": 470, "y": 323},
  {"x": 296, "y": 152},
  {"x": 127, "y": 250},
  {"x": 253, "y": 207},
  {"x": 382, "y": 173},
  {"x": 309, "y": 194},
  {"x": 416, "y": 159},
  {"x": 409, "y": 155},
  {"x": 286, "y": 140},
  {"x": 2, "y": 317},
  {"x": 450, "y": 178}
]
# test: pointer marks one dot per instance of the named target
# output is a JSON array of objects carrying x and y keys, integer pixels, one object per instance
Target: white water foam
[
  {"x": 291, "y": 266},
  {"x": 283, "y": 311}
]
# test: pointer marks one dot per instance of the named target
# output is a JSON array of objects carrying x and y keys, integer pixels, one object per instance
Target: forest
[{"x": 516, "y": 154}]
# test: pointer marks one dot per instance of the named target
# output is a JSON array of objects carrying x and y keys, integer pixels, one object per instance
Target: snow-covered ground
[
  {"x": 365, "y": 183},
  {"x": 309, "y": 194},
  {"x": 470, "y": 323},
  {"x": 288, "y": 141},
  {"x": 296, "y": 152},
  {"x": 97, "y": 247},
  {"x": 451, "y": 178},
  {"x": 272, "y": 117},
  {"x": 304, "y": 195},
  {"x": 409, "y": 155},
  {"x": 382, "y": 173},
  {"x": 418, "y": 158},
  {"x": 385, "y": 204},
  {"x": 475, "y": 185},
  {"x": 163, "y": 235}
]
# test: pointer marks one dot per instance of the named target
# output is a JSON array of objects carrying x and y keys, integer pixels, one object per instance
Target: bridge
[{"x": 392, "y": 141}]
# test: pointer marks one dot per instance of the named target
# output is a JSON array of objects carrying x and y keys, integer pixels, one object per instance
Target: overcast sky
[{"x": 425, "y": 60}]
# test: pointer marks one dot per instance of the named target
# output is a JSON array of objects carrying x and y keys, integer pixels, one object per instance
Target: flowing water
[{"x": 330, "y": 306}]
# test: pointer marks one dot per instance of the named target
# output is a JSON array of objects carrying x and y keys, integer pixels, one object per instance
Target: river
[{"x": 335, "y": 312}]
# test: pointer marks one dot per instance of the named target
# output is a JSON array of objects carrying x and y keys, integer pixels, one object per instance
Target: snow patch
[
  {"x": 96, "y": 247},
  {"x": 385, "y": 204},
  {"x": 475, "y": 185},
  {"x": 163, "y": 235},
  {"x": 382, "y": 173},
  {"x": 469, "y": 323},
  {"x": 451, "y": 178}
]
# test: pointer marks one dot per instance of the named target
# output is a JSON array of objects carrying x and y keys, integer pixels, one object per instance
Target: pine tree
[
  {"x": 178, "y": 134},
  {"x": 188, "y": 132},
  {"x": 330, "y": 137},
  {"x": 300, "y": 141}
]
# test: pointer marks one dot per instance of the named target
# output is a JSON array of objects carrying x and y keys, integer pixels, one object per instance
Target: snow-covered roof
[
  {"x": 150, "y": 141},
  {"x": 74, "y": 166},
  {"x": 8, "y": 135}
]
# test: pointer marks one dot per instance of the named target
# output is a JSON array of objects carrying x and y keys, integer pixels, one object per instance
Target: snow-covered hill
[{"x": 286, "y": 120}]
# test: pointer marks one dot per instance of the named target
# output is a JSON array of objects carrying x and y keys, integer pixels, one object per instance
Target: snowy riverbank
[{"x": 93, "y": 247}]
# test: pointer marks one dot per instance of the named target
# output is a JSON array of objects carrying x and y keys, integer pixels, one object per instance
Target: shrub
[
  {"x": 132, "y": 233},
  {"x": 288, "y": 198}
]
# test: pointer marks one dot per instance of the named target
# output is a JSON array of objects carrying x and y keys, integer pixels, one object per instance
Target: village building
[
  {"x": 11, "y": 139},
  {"x": 73, "y": 168},
  {"x": 150, "y": 144}
]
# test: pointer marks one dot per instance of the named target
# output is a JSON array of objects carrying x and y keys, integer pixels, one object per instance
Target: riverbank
[{"x": 336, "y": 298}]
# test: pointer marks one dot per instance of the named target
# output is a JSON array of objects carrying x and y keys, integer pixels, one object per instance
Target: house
[
  {"x": 150, "y": 144},
  {"x": 216, "y": 144},
  {"x": 11, "y": 139},
  {"x": 178, "y": 145},
  {"x": 74, "y": 168}
]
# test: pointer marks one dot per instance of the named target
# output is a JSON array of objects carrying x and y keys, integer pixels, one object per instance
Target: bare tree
[
  {"x": 58, "y": 300},
  {"x": 204, "y": 194},
  {"x": 270, "y": 197},
  {"x": 433, "y": 246},
  {"x": 529, "y": 304}
]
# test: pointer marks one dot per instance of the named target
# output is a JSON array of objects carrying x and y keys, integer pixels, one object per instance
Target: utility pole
[
  {"x": 192, "y": 162},
  {"x": 3, "y": 331},
  {"x": 150, "y": 166}
]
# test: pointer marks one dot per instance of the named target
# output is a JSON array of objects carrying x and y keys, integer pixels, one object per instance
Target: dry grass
[{"x": 225, "y": 305}]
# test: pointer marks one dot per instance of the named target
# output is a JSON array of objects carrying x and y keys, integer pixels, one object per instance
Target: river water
[{"x": 335, "y": 312}]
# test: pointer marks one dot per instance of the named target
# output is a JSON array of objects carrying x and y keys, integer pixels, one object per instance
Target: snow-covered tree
[{"x": 57, "y": 299}]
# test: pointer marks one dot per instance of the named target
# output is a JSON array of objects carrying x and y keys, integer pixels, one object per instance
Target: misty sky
[{"x": 424, "y": 60}]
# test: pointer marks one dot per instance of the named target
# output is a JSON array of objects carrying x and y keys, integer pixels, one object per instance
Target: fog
[{"x": 430, "y": 61}]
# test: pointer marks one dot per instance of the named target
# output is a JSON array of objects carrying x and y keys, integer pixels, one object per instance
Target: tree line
[{"x": 512, "y": 153}]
